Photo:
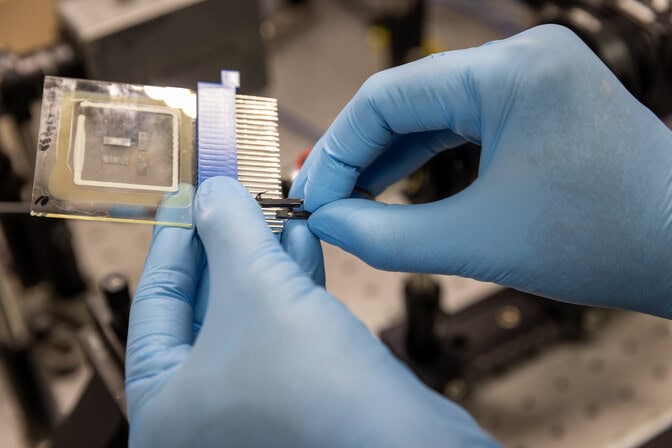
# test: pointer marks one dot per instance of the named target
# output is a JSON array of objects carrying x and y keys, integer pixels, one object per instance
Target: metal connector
[{"x": 288, "y": 208}]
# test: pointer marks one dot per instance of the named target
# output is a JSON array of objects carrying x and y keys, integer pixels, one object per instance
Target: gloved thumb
[
  {"x": 245, "y": 259},
  {"x": 457, "y": 236}
]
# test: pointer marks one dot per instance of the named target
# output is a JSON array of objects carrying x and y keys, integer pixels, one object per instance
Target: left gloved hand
[{"x": 277, "y": 361}]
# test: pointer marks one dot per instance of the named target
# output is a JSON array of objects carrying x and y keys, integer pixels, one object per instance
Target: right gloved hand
[{"x": 574, "y": 195}]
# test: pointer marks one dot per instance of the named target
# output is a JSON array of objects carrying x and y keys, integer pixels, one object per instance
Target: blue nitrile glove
[
  {"x": 574, "y": 195},
  {"x": 278, "y": 362}
]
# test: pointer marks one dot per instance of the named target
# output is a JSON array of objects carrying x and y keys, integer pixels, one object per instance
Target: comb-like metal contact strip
[{"x": 258, "y": 150}]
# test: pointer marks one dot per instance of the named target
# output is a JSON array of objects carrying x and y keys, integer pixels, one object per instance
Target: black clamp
[{"x": 290, "y": 208}]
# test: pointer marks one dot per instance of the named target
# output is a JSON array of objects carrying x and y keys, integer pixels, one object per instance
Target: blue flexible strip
[{"x": 216, "y": 128}]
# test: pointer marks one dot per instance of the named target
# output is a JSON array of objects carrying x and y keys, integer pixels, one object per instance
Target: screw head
[
  {"x": 508, "y": 317},
  {"x": 456, "y": 389}
]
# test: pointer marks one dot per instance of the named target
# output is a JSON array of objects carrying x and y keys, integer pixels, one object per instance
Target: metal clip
[{"x": 289, "y": 208}]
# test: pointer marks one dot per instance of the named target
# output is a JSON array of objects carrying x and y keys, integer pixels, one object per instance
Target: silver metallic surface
[{"x": 259, "y": 151}]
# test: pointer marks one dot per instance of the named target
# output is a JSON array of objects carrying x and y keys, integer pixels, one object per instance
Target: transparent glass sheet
[{"x": 115, "y": 152}]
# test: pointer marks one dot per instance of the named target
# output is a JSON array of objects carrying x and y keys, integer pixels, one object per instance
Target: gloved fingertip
[
  {"x": 220, "y": 187},
  {"x": 346, "y": 222},
  {"x": 305, "y": 249},
  {"x": 328, "y": 180},
  {"x": 319, "y": 194},
  {"x": 225, "y": 210},
  {"x": 384, "y": 236},
  {"x": 184, "y": 194},
  {"x": 298, "y": 186},
  {"x": 176, "y": 206},
  {"x": 321, "y": 223}
]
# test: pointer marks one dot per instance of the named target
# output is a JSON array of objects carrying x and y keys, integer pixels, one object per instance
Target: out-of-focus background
[{"x": 532, "y": 372}]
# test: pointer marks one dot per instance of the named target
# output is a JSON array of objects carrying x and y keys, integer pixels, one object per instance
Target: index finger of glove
[
  {"x": 428, "y": 95},
  {"x": 472, "y": 93}
]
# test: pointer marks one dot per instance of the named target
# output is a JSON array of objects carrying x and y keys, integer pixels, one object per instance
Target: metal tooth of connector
[
  {"x": 253, "y": 158},
  {"x": 247, "y": 160},
  {"x": 258, "y": 171},
  {"x": 256, "y": 127},
  {"x": 260, "y": 164},
  {"x": 253, "y": 144},
  {"x": 258, "y": 178},
  {"x": 245, "y": 148},
  {"x": 266, "y": 139},
  {"x": 266, "y": 188},
  {"x": 264, "y": 184},
  {"x": 258, "y": 150},
  {"x": 264, "y": 191}
]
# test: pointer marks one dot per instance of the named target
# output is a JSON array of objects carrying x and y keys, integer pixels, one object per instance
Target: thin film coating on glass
[{"x": 115, "y": 152}]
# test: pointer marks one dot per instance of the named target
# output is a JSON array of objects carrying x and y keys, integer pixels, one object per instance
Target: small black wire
[{"x": 14, "y": 208}]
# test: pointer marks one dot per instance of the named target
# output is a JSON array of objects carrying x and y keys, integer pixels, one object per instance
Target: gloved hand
[
  {"x": 278, "y": 361},
  {"x": 574, "y": 195}
]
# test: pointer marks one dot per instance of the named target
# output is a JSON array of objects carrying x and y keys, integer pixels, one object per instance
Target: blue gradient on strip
[{"x": 216, "y": 130}]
